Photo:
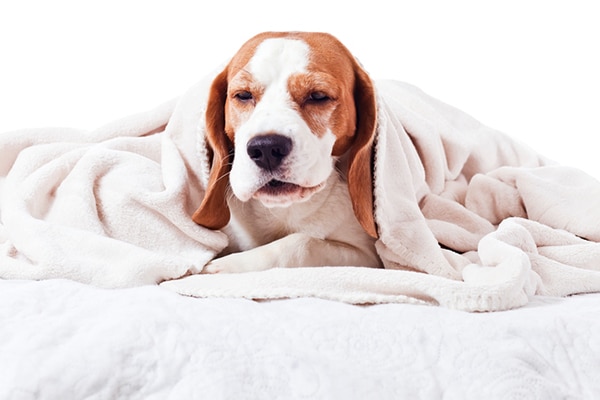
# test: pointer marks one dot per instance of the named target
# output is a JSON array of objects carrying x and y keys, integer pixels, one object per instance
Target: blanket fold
[
  {"x": 104, "y": 207},
  {"x": 468, "y": 218}
]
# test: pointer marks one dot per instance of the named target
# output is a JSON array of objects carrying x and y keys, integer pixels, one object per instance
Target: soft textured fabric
[
  {"x": 64, "y": 340},
  {"x": 468, "y": 218}
]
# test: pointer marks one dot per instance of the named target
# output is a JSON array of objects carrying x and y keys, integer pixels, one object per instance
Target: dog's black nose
[{"x": 268, "y": 151}]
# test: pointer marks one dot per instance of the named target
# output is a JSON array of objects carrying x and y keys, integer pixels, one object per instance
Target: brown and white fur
[{"x": 290, "y": 125}]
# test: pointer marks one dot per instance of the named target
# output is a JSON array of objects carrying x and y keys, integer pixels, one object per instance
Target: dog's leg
[{"x": 295, "y": 250}]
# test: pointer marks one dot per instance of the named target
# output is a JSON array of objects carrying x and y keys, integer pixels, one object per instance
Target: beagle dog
[{"x": 290, "y": 124}]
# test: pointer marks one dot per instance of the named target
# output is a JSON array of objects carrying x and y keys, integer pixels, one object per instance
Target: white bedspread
[{"x": 64, "y": 340}]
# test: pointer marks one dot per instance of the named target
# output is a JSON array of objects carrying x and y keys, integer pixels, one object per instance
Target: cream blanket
[{"x": 468, "y": 218}]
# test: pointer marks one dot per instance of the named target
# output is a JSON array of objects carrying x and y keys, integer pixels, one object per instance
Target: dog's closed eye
[
  {"x": 318, "y": 97},
  {"x": 243, "y": 96}
]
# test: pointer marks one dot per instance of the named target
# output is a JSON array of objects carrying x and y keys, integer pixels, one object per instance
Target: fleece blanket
[{"x": 468, "y": 218}]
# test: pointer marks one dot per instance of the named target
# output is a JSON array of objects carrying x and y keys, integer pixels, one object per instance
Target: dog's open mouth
[
  {"x": 278, "y": 188},
  {"x": 280, "y": 193}
]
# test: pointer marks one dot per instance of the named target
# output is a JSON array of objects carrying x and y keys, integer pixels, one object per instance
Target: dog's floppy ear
[
  {"x": 213, "y": 212},
  {"x": 360, "y": 171}
]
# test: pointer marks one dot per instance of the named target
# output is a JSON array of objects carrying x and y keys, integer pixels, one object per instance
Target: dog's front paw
[
  {"x": 227, "y": 264},
  {"x": 236, "y": 262},
  {"x": 214, "y": 267}
]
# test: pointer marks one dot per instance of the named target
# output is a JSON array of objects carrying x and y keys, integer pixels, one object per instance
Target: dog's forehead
[
  {"x": 290, "y": 52},
  {"x": 278, "y": 57}
]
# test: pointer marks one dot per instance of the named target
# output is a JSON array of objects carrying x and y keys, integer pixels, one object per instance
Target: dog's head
[{"x": 279, "y": 116}]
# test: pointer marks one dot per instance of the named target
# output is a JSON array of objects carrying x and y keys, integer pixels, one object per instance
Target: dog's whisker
[{"x": 225, "y": 175}]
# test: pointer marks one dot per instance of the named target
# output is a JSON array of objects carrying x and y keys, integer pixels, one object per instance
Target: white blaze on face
[
  {"x": 276, "y": 59},
  {"x": 310, "y": 162}
]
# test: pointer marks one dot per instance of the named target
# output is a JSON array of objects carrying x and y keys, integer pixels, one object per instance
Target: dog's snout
[{"x": 268, "y": 151}]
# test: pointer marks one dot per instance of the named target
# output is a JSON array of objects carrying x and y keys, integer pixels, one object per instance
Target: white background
[{"x": 528, "y": 68}]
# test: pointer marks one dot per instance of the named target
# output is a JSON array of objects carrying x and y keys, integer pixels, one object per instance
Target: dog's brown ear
[
  {"x": 360, "y": 171},
  {"x": 213, "y": 212}
]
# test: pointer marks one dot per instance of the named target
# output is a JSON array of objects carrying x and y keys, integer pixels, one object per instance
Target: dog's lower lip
[{"x": 281, "y": 193}]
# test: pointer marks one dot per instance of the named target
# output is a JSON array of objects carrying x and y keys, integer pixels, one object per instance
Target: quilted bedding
[{"x": 64, "y": 340}]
